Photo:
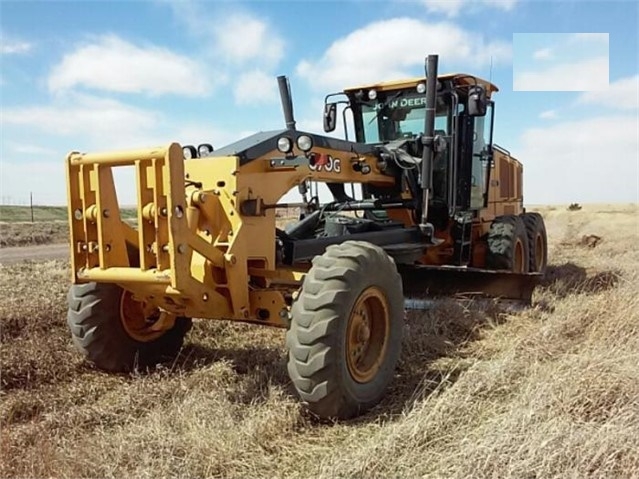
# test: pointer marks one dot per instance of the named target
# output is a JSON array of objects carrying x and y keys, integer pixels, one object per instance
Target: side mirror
[
  {"x": 477, "y": 102},
  {"x": 330, "y": 117}
]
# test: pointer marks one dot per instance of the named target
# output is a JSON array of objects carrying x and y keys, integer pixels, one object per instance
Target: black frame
[{"x": 301, "y": 250}]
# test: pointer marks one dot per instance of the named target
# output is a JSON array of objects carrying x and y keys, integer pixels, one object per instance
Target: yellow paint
[
  {"x": 194, "y": 253},
  {"x": 458, "y": 78}
]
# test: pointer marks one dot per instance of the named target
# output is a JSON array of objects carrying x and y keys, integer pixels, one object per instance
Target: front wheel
[
  {"x": 346, "y": 330},
  {"x": 117, "y": 333}
]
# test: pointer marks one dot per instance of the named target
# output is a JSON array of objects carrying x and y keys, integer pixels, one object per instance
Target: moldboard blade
[{"x": 430, "y": 281}]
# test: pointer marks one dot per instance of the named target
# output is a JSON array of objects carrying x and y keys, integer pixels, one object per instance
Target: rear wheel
[
  {"x": 117, "y": 333},
  {"x": 537, "y": 241},
  {"x": 508, "y": 245},
  {"x": 346, "y": 330}
]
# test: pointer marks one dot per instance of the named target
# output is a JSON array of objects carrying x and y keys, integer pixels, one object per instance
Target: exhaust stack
[
  {"x": 287, "y": 102},
  {"x": 428, "y": 140}
]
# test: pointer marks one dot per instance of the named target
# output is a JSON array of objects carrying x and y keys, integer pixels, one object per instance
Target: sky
[{"x": 97, "y": 75}]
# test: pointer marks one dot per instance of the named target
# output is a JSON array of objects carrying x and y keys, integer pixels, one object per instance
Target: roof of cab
[{"x": 458, "y": 78}]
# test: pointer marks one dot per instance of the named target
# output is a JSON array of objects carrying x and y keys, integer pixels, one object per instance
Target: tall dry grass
[
  {"x": 30, "y": 234},
  {"x": 552, "y": 391}
]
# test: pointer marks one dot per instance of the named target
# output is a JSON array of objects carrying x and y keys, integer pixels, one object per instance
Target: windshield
[{"x": 399, "y": 115}]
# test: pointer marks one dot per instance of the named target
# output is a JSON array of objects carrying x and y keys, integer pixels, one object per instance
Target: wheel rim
[
  {"x": 539, "y": 253},
  {"x": 367, "y": 335},
  {"x": 519, "y": 257},
  {"x": 140, "y": 319}
]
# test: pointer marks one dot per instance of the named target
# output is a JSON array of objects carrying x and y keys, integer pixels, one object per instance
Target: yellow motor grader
[{"x": 438, "y": 209}]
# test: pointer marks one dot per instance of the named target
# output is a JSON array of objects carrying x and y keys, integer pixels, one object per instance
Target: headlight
[
  {"x": 204, "y": 150},
  {"x": 189, "y": 152},
  {"x": 305, "y": 143},
  {"x": 421, "y": 88},
  {"x": 372, "y": 94},
  {"x": 284, "y": 144}
]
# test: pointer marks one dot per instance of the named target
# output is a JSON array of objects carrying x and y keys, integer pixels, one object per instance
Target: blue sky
[
  {"x": 109, "y": 75},
  {"x": 561, "y": 61}
]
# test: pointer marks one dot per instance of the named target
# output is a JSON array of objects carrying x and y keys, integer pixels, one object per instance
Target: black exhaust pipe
[
  {"x": 287, "y": 101},
  {"x": 428, "y": 140}
]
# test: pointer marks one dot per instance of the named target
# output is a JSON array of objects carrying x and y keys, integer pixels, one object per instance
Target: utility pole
[{"x": 31, "y": 203}]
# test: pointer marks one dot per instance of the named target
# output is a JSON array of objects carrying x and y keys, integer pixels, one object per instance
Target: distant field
[
  {"x": 49, "y": 225},
  {"x": 548, "y": 392},
  {"x": 11, "y": 214}
]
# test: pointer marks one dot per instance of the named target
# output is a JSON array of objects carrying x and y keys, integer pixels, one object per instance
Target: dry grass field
[
  {"x": 30, "y": 234},
  {"x": 551, "y": 391}
]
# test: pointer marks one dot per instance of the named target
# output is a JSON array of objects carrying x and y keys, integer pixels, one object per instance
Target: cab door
[
  {"x": 475, "y": 151},
  {"x": 482, "y": 154}
]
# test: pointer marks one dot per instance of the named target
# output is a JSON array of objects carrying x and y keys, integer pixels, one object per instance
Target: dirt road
[{"x": 17, "y": 254}]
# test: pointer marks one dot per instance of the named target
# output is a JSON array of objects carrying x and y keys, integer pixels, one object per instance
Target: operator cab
[
  {"x": 393, "y": 113},
  {"x": 387, "y": 111}
]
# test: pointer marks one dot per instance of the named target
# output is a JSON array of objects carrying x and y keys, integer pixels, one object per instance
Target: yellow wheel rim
[
  {"x": 140, "y": 319},
  {"x": 367, "y": 335}
]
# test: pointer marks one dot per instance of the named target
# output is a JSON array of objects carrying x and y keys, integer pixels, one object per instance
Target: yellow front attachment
[{"x": 167, "y": 261}]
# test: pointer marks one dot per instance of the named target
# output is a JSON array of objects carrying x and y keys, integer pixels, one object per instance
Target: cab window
[{"x": 400, "y": 115}]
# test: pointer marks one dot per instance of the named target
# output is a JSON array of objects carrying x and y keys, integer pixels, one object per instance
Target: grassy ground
[
  {"x": 552, "y": 391},
  {"x": 40, "y": 213},
  {"x": 49, "y": 225}
]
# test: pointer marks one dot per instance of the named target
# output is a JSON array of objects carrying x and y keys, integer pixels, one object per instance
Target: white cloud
[
  {"x": 452, "y": 8},
  {"x": 241, "y": 38},
  {"x": 86, "y": 123},
  {"x": 12, "y": 46},
  {"x": 255, "y": 86},
  {"x": 589, "y": 160},
  {"x": 243, "y": 47},
  {"x": 95, "y": 123},
  {"x": 585, "y": 75},
  {"x": 621, "y": 94},
  {"x": 98, "y": 122},
  {"x": 543, "y": 54},
  {"x": 393, "y": 48},
  {"x": 113, "y": 64},
  {"x": 234, "y": 36},
  {"x": 548, "y": 115}
]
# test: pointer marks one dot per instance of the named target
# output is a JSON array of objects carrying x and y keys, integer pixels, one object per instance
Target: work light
[
  {"x": 284, "y": 144},
  {"x": 305, "y": 143}
]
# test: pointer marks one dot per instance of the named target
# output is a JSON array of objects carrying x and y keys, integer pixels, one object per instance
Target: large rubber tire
[
  {"x": 98, "y": 332},
  {"x": 508, "y": 245},
  {"x": 537, "y": 242},
  {"x": 319, "y": 338}
]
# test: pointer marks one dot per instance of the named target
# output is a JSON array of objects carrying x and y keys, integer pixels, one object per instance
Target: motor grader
[{"x": 438, "y": 208}]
